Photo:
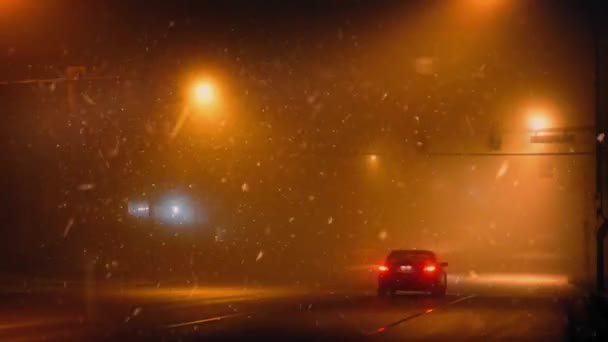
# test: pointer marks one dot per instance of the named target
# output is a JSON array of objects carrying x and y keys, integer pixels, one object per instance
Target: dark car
[{"x": 412, "y": 270}]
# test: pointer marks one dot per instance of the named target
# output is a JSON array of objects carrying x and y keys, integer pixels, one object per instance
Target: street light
[
  {"x": 372, "y": 161},
  {"x": 537, "y": 121},
  {"x": 201, "y": 99},
  {"x": 203, "y": 93},
  {"x": 543, "y": 132}
]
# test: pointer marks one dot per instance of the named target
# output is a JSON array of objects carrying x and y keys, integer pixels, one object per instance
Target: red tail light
[
  {"x": 430, "y": 268},
  {"x": 382, "y": 268}
]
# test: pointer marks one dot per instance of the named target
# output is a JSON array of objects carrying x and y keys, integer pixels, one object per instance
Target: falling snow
[
  {"x": 68, "y": 226},
  {"x": 88, "y": 99},
  {"x": 86, "y": 187},
  {"x": 301, "y": 130},
  {"x": 502, "y": 171}
]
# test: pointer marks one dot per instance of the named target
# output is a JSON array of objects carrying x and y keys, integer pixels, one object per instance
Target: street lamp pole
[
  {"x": 602, "y": 230},
  {"x": 180, "y": 122}
]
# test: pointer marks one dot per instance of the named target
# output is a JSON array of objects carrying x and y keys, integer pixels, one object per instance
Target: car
[{"x": 412, "y": 270}]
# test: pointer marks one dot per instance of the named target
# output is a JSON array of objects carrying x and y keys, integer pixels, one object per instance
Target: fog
[{"x": 342, "y": 132}]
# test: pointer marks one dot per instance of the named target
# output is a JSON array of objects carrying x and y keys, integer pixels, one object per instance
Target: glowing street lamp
[
  {"x": 543, "y": 133},
  {"x": 201, "y": 99},
  {"x": 538, "y": 121},
  {"x": 203, "y": 93},
  {"x": 372, "y": 161}
]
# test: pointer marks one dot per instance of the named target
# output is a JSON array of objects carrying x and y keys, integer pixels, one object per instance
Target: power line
[
  {"x": 59, "y": 80},
  {"x": 510, "y": 154}
]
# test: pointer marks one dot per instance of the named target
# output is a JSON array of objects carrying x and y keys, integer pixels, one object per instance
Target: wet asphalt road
[
  {"x": 407, "y": 318},
  {"x": 225, "y": 313}
]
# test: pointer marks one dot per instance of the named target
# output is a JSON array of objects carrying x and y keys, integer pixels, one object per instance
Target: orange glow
[
  {"x": 538, "y": 121},
  {"x": 382, "y": 268},
  {"x": 373, "y": 158},
  {"x": 517, "y": 279},
  {"x": 430, "y": 268},
  {"x": 7, "y": 5},
  {"x": 479, "y": 11},
  {"x": 203, "y": 93},
  {"x": 484, "y": 3}
]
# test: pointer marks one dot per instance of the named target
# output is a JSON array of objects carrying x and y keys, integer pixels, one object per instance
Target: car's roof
[{"x": 412, "y": 251}]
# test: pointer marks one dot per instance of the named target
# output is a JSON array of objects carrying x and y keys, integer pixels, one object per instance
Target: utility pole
[{"x": 600, "y": 124}]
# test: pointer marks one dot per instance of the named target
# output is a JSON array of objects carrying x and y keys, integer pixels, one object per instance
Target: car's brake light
[
  {"x": 382, "y": 268},
  {"x": 430, "y": 268}
]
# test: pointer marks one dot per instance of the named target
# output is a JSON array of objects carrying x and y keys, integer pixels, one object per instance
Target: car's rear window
[{"x": 410, "y": 256}]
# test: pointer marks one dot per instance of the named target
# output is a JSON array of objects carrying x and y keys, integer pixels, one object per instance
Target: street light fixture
[
  {"x": 371, "y": 161},
  {"x": 543, "y": 133},
  {"x": 203, "y": 93},
  {"x": 538, "y": 121},
  {"x": 201, "y": 99}
]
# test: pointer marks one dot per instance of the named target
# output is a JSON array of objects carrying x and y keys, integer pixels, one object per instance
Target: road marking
[
  {"x": 460, "y": 300},
  {"x": 416, "y": 315},
  {"x": 31, "y": 324},
  {"x": 201, "y": 321}
]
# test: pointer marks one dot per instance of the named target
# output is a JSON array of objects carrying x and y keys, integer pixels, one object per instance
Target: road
[{"x": 467, "y": 313}]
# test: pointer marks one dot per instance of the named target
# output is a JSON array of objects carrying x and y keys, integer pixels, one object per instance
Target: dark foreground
[{"x": 138, "y": 312}]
